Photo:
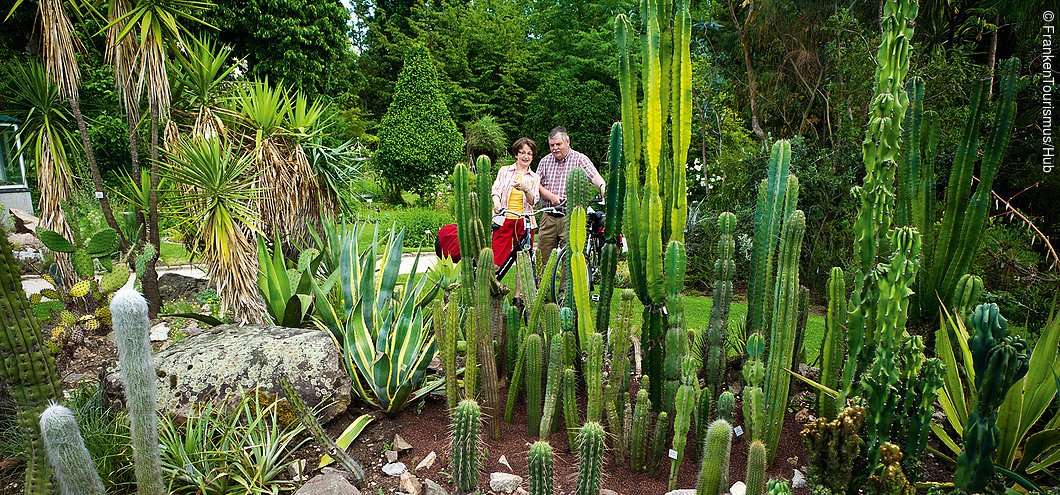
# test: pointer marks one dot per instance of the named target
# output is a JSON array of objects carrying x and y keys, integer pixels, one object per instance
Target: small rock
[
  {"x": 605, "y": 491},
  {"x": 395, "y": 468},
  {"x": 798, "y": 480},
  {"x": 296, "y": 470},
  {"x": 74, "y": 379},
  {"x": 400, "y": 444},
  {"x": 432, "y": 488},
  {"x": 410, "y": 484},
  {"x": 793, "y": 461},
  {"x": 683, "y": 491},
  {"x": 738, "y": 488},
  {"x": 804, "y": 416},
  {"x": 391, "y": 456},
  {"x": 328, "y": 484},
  {"x": 427, "y": 462},
  {"x": 504, "y": 482},
  {"x": 520, "y": 491},
  {"x": 504, "y": 460},
  {"x": 159, "y": 333},
  {"x": 337, "y": 472}
]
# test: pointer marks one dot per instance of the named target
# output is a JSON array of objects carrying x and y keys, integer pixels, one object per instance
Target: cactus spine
[
  {"x": 714, "y": 352},
  {"x": 594, "y": 371},
  {"x": 590, "y": 458},
  {"x": 541, "y": 470},
  {"x": 999, "y": 360},
  {"x": 533, "y": 382},
  {"x": 71, "y": 463},
  {"x": 683, "y": 405},
  {"x": 715, "y": 466},
  {"x": 129, "y": 313},
  {"x": 835, "y": 323},
  {"x": 782, "y": 331},
  {"x": 26, "y": 367},
  {"x": 470, "y": 355},
  {"x": 655, "y": 213},
  {"x": 638, "y": 448},
  {"x": 552, "y": 386},
  {"x": 467, "y": 421},
  {"x": 756, "y": 468},
  {"x": 570, "y": 407},
  {"x": 726, "y": 406},
  {"x": 450, "y": 329}
]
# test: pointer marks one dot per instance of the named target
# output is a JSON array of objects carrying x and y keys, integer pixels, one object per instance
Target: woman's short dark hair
[{"x": 518, "y": 144}]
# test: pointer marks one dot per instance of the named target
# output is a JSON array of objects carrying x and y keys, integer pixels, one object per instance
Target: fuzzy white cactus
[{"x": 71, "y": 463}]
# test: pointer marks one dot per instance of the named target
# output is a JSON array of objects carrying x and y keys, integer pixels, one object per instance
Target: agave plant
[
  {"x": 218, "y": 201},
  {"x": 288, "y": 293},
  {"x": 384, "y": 333}
]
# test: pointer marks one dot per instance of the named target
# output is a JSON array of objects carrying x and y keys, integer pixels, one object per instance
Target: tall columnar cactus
[
  {"x": 620, "y": 341},
  {"x": 726, "y": 406},
  {"x": 915, "y": 191},
  {"x": 660, "y": 438},
  {"x": 541, "y": 470},
  {"x": 450, "y": 331},
  {"x": 534, "y": 363},
  {"x": 875, "y": 198},
  {"x": 701, "y": 418},
  {"x": 129, "y": 313},
  {"x": 513, "y": 322},
  {"x": 715, "y": 464},
  {"x": 656, "y": 211},
  {"x": 964, "y": 217},
  {"x": 714, "y": 352},
  {"x": 27, "y": 368},
  {"x": 832, "y": 448},
  {"x": 754, "y": 399},
  {"x": 553, "y": 384},
  {"x": 470, "y": 355},
  {"x": 579, "y": 273},
  {"x": 756, "y": 468},
  {"x": 466, "y": 444},
  {"x": 782, "y": 330},
  {"x": 835, "y": 323},
  {"x": 590, "y": 458},
  {"x": 614, "y": 198},
  {"x": 570, "y": 407},
  {"x": 594, "y": 371},
  {"x": 485, "y": 286},
  {"x": 471, "y": 232},
  {"x": 676, "y": 352},
  {"x": 921, "y": 378},
  {"x": 484, "y": 188},
  {"x": 769, "y": 216},
  {"x": 999, "y": 360},
  {"x": 638, "y": 445},
  {"x": 893, "y": 283},
  {"x": 70, "y": 461},
  {"x": 683, "y": 405}
]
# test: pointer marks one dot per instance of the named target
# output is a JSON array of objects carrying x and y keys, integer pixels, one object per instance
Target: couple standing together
[{"x": 518, "y": 188}]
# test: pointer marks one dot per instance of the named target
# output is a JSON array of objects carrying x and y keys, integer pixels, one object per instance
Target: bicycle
[{"x": 526, "y": 242}]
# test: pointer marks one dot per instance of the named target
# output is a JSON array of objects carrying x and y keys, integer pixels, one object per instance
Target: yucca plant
[
  {"x": 217, "y": 201},
  {"x": 200, "y": 77},
  {"x": 384, "y": 333},
  {"x": 32, "y": 96}
]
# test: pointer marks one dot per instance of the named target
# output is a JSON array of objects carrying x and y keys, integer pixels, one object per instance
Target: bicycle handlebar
[{"x": 550, "y": 209}]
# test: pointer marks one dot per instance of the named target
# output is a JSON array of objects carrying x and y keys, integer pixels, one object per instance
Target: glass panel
[{"x": 10, "y": 167}]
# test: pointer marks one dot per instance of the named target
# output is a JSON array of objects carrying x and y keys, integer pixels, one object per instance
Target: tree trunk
[
  {"x": 134, "y": 159},
  {"x": 97, "y": 180},
  {"x": 150, "y": 281},
  {"x": 752, "y": 90}
]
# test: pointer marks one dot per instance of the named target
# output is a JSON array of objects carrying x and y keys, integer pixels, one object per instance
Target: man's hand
[{"x": 548, "y": 195}]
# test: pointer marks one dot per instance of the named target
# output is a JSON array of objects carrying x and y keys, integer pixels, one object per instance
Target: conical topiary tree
[{"x": 418, "y": 138}]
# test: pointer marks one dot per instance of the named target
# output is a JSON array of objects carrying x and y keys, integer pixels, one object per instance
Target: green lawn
[{"x": 173, "y": 253}]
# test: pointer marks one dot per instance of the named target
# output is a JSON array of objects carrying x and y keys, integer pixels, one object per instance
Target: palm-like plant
[
  {"x": 34, "y": 97},
  {"x": 201, "y": 74},
  {"x": 219, "y": 201},
  {"x": 384, "y": 333},
  {"x": 264, "y": 109}
]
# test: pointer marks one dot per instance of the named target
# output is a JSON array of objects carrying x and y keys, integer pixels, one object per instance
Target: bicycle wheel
[{"x": 560, "y": 276}]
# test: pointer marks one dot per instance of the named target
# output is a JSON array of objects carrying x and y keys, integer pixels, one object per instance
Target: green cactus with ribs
[
  {"x": 714, "y": 350},
  {"x": 590, "y": 458},
  {"x": 466, "y": 444},
  {"x": 715, "y": 466},
  {"x": 655, "y": 154},
  {"x": 27, "y": 369},
  {"x": 999, "y": 360},
  {"x": 541, "y": 469},
  {"x": 614, "y": 198},
  {"x": 754, "y": 372},
  {"x": 684, "y": 402}
]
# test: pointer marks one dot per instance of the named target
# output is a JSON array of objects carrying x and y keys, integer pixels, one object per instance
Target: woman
[{"x": 515, "y": 189}]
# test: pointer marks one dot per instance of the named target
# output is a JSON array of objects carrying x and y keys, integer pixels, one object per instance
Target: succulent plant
[
  {"x": 466, "y": 444},
  {"x": 756, "y": 468},
  {"x": 541, "y": 468},
  {"x": 71, "y": 463},
  {"x": 638, "y": 449},
  {"x": 590, "y": 458},
  {"x": 715, "y": 458},
  {"x": 553, "y": 385},
  {"x": 534, "y": 363},
  {"x": 714, "y": 350}
]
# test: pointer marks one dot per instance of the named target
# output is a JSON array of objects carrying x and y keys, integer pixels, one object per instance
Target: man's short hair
[{"x": 559, "y": 130}]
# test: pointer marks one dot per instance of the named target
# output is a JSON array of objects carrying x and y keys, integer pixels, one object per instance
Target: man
[{"x": 553, "y": 169}]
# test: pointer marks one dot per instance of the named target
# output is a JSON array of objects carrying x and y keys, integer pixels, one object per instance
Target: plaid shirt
[{"x": 554, "y": 172}]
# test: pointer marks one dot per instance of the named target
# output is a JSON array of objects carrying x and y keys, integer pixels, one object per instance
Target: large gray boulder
[{"x": 220, "y": 364}]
